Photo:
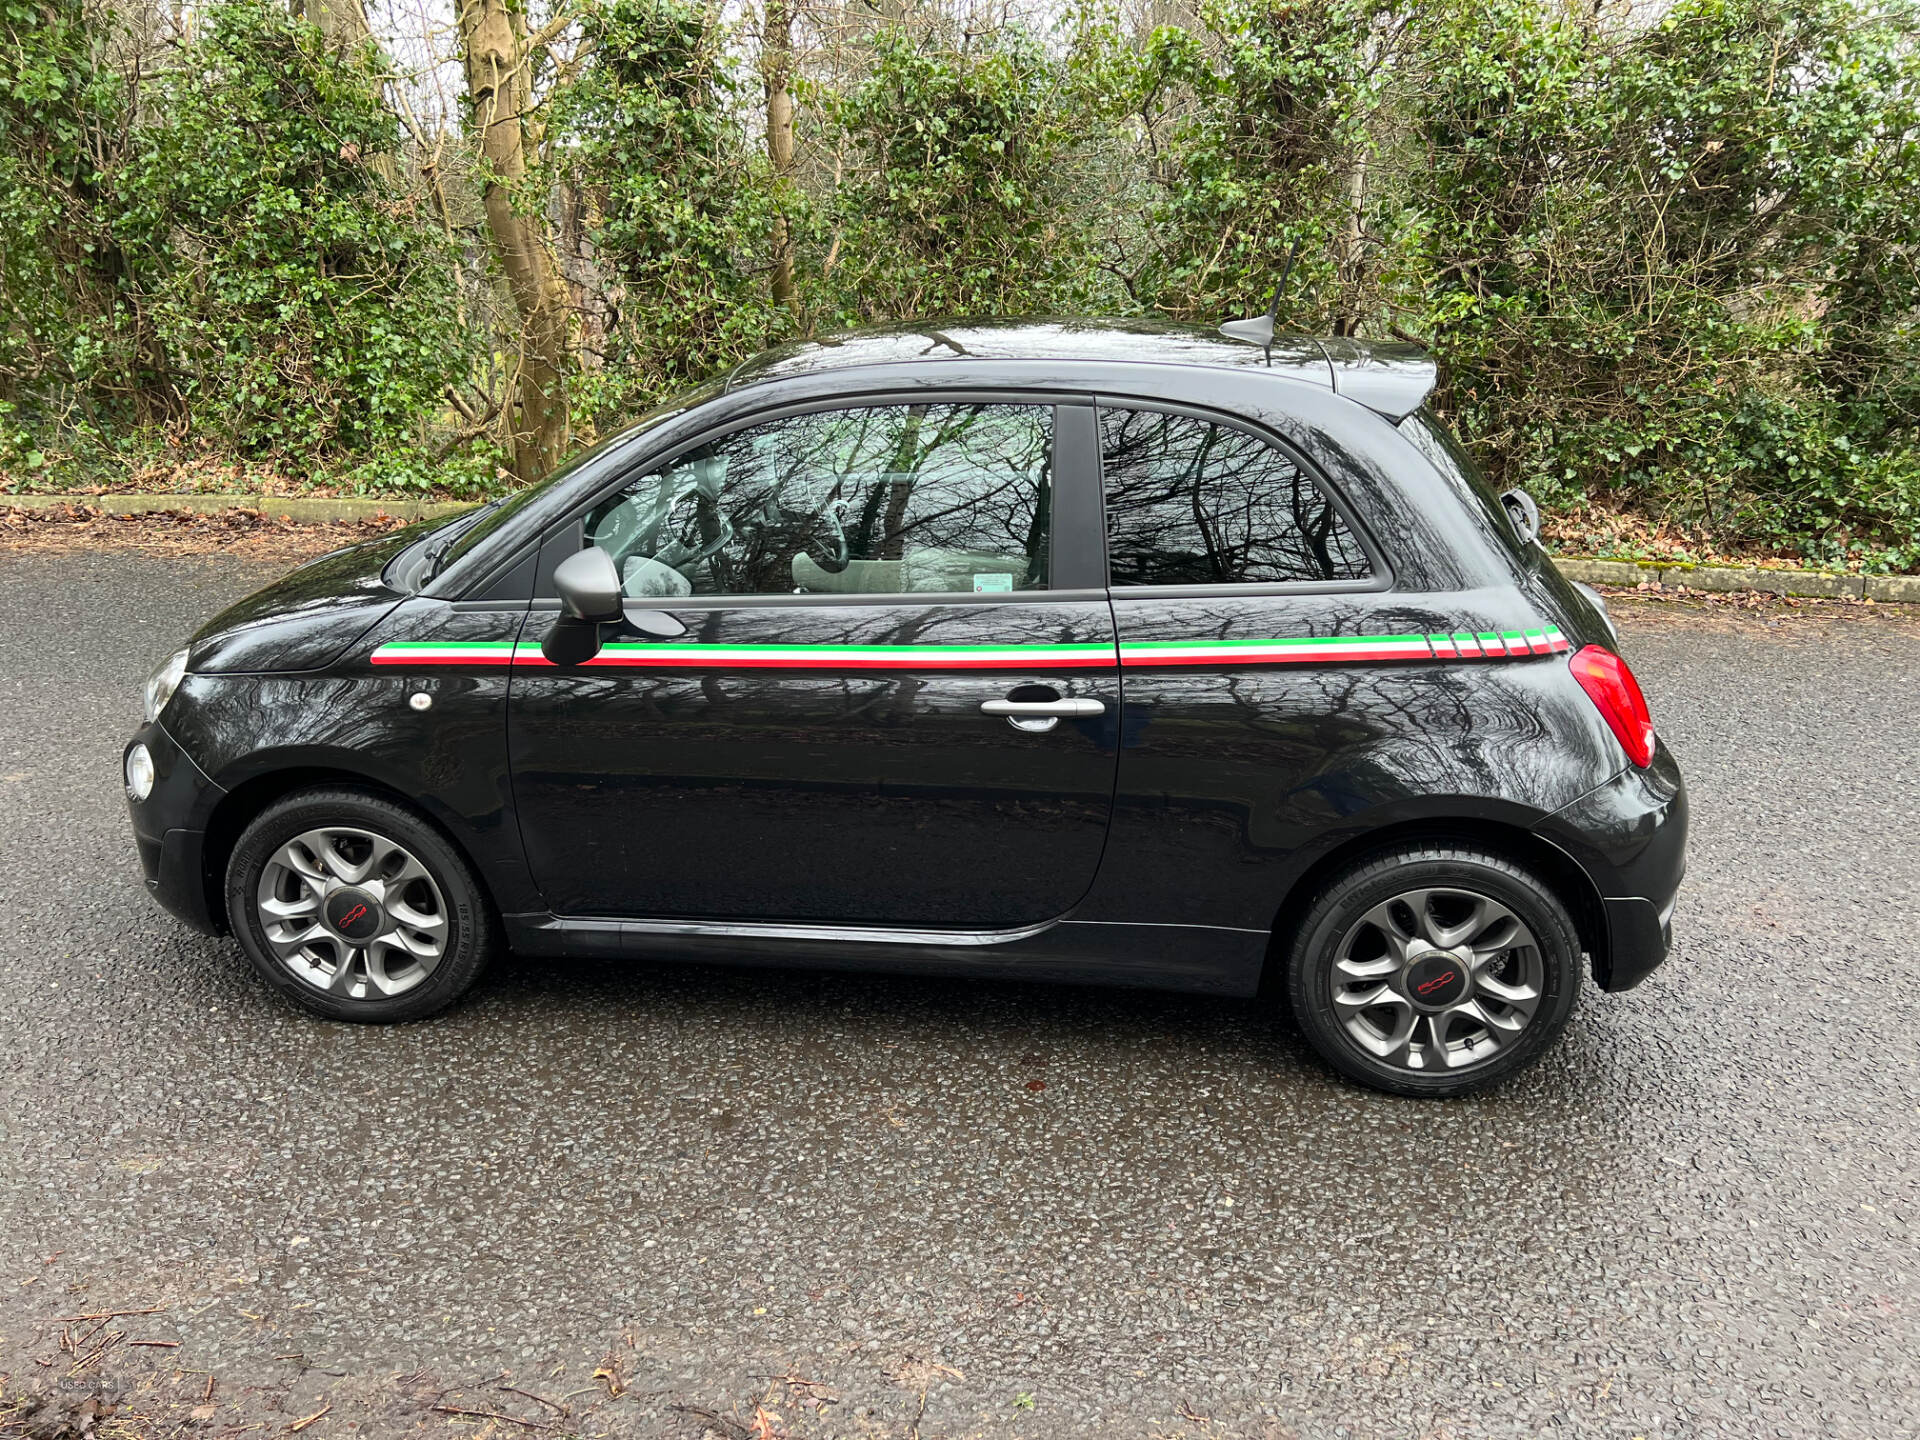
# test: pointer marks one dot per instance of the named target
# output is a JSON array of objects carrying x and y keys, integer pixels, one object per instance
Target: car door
[
  {"x": 1259, "y": 655},
  {"x": 866, "y": 590}
]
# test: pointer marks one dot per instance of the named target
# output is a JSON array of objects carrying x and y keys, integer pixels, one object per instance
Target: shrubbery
[
  {"x": 1668, "y": 265},
  {"x": 233, "y": 264}
]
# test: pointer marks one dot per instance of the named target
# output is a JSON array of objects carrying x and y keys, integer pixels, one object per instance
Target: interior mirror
[{"x": 589, "y": 585}]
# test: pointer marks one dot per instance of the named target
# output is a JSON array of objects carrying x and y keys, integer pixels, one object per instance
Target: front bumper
[
  {"x": 1630, "y": 837},
  {"x": 169, "y": 829}
]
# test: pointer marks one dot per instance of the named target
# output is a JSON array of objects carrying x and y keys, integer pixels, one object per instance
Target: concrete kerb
[{"x": 1819, "y": 584}]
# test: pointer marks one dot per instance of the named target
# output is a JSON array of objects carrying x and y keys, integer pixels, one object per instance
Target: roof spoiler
[{"x": 1390, "y": 379}]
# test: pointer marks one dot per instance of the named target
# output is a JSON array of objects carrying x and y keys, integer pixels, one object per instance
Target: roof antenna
[{"x": 1260, "y": 329}]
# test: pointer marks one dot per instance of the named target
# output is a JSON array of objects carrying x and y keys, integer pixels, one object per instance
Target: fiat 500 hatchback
[{"x": 1086, "y": 651}]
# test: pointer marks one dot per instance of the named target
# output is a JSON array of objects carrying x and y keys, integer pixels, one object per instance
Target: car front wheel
[
  {"x": 1434, "y": 970},
  {"x": 356, "y": 909}
]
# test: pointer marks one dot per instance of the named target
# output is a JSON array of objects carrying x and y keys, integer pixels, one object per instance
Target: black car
[{"x": 1084, "y": 651}]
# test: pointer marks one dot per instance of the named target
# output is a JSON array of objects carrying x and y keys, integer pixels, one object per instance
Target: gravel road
[{"x": 960, "y": 1209}]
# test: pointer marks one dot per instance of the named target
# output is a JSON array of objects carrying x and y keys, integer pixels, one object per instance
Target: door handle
[
  {"x": 1033, "y": 709},
  {"x": 1036, "y": 717}
]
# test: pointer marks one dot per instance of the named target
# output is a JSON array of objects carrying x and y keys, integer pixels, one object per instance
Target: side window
[
  {"x": 878, "y": 500},
  {"x": 1190, "y": 502}
]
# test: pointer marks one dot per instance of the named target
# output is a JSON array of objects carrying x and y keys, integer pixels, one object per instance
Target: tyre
[
  {"x": 1433, "y": 970},
  {"x": 355, "y": 908}
]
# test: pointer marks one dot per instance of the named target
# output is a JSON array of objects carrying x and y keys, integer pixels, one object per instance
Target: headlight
[
  {"x": 139, "y": 772},
  {"x": 163, "y": 682}
]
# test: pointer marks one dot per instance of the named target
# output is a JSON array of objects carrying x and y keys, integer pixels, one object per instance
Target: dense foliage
[
  {"x": 1667, "y": 261},
  {"x": 678, "y": 212},
  {"x": 1680, "y": 270},
  {"x": 959, "y": 194},
  {"x": 233, "y": 264}
]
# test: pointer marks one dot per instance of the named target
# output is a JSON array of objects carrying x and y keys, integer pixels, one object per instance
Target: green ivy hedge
[{"x": 1668, "y": 265}]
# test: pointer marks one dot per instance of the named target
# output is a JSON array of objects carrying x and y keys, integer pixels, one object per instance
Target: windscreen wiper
[{"x": 436, "y": 557}]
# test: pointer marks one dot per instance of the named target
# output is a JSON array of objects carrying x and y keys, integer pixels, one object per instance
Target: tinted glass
[
  {"x": 878, "y": 500},
  {"x": 1190, "y": 502}
]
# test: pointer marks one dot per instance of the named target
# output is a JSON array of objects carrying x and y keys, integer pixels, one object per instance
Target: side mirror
[
  {"x": 589, "y": 585},
  {"x": 1523, "y": 512}
]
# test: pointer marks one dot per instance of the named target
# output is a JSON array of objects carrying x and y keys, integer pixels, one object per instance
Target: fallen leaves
[{"x": 254, "y": 534}]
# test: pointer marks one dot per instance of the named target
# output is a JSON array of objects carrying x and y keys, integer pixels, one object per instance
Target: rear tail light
[{"x": 1613, "y": 690}]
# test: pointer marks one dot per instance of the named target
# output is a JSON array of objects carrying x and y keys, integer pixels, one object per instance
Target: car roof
[{"x": 1392, "y": 379}]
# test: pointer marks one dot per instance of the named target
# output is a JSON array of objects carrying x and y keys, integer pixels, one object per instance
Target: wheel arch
[
  {"x": 238, "y": 807},
  {"x": 1559, "y": 870}
]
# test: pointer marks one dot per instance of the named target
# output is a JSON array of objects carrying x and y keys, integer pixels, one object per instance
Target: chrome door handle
[
  {"x": 1036, "y": 717},
  {"x": 1034, "y": 709}
]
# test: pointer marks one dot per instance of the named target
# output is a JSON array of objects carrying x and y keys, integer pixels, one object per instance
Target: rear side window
[{"x": 1192, "y": 502}]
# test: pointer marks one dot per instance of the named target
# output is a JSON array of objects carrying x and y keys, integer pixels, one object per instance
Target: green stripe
[{"x": 1483, "y": 639}]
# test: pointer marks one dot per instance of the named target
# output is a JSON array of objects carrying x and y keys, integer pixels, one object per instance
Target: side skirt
[{"x": 1196, "y": 959}]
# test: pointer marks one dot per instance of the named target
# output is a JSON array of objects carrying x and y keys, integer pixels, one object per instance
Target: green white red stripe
[{"x": 1131, "y": 655}]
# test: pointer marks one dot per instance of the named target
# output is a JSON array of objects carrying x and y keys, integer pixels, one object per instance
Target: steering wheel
[{"x": 830, "y": 551}]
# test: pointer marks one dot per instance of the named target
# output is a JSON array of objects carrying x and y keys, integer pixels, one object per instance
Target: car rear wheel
[
  {"x": 356, "y": 909},
  {"x": 1433, "y": 971}
]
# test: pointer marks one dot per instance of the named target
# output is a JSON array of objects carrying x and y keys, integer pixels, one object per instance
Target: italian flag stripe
[
  {"x": 1134, "y": 655},
  {"x": 1153, "y": 654}
]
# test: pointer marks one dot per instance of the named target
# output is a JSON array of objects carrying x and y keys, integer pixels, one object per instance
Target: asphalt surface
[{"x": 969, "y": 1208}]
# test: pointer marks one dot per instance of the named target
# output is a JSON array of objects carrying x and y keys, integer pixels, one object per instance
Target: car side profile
[{"x": 1090, "y": 651}]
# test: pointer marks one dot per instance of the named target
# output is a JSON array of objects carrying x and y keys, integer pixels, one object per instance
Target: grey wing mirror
[
  {"x": 589, "y": 585},
  {"x": 1524, "y": 514}
]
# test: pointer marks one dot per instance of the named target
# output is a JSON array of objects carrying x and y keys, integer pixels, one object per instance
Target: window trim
[
  {"x": 1381, "y": 579},
  {"x": 1052, "y": 399}
]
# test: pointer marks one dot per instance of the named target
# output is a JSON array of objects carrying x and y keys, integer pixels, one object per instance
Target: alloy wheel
[
  {"x": 1437, "y": 979},
  {"x": 352, "y": 913}
]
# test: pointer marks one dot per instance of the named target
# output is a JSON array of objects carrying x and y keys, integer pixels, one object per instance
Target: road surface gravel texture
[{"x": 788, "y": 1204}]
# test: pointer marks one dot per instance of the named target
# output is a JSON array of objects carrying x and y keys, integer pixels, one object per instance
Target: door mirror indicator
[{"x": 589, "y": 585}]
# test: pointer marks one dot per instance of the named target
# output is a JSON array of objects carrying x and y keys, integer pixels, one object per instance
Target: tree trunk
[
  {"x": 493, "y": 43},
  {"x": 344, "y": 25},
  {"x": 776, "y": 61},
  {"x": 343, "y": 22}
]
